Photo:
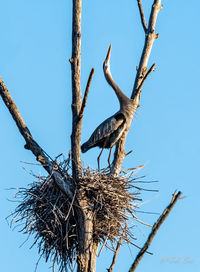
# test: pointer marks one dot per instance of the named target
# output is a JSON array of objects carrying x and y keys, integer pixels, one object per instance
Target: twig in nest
[{"x": 46, "y": 212}]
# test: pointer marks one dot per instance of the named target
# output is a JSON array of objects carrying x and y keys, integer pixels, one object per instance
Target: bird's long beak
[{"x": 108, "y": 54}]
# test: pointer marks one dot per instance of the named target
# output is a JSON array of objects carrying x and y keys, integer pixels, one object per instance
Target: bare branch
[
  {"x": 150, "y": 36},
  {"x": 152, "y": 68},
  {"x": 149, "y": 39},
  {"x": 85, "y": 224},
  {"x": 128, "y": 153},
  {"x": 86, "y": 94},
  {"x": 142, "y": 16},
  {"x": 31, "y": 144},
  {"x": 76, "y": 89},
  {"x": 154, "y": 230},
  {"x": 25, "y": 132},
  {"x": 115, "y": 255}
]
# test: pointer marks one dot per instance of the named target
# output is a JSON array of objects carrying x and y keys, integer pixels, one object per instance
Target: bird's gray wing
[{"x": 106, "y": 128}]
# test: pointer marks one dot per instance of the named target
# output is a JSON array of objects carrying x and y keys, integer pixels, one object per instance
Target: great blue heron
[{"x": 107, "y": 134}]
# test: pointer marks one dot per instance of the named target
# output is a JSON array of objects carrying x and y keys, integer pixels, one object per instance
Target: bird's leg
[
  {"x": 98, "y": 159},
  {"x": 109, "y": 157}
]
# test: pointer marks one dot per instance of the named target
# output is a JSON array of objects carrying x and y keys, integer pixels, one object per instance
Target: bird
[{"x": 108, "y": 133}]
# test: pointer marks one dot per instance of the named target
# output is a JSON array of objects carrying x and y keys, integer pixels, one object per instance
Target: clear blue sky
[{"x": 34, "y": 51}]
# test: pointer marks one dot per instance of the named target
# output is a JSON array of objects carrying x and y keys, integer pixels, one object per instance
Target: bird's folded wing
[{"x": 106, "y": 128}]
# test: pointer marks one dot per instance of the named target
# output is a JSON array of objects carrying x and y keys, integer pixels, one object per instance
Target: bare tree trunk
[
  {"x": 76, "y": 89},
  {"x": 87, "y": 258}
]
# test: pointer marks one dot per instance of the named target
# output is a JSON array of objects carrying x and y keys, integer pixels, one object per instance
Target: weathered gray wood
[
  {"x": 76, "y": 89},
  {"x": 83, "y": 105},
  {"x": 86, "y": 259},
  {"x": 142, "y": 17},
  {"x": 32, "y": 145},
  {"x": 150, "y": 36},
  {"x": 149, "y": 40}
]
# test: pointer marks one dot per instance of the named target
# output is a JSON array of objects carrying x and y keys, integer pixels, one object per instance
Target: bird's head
[{"x": 106, "y": 64}]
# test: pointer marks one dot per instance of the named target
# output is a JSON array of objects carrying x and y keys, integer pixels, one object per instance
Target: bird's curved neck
[{"x": 123, "y": 99}]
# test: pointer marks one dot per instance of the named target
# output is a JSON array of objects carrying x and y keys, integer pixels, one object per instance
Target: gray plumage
[{"x": 107, "y": 133}]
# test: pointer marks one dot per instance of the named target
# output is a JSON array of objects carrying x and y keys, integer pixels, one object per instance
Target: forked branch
[
  {"x": 150, "y": 36},
  {"x": 152, "y": 68},
  {"x": 154, "y": 230},
  {"x": 141, "y": 75}
]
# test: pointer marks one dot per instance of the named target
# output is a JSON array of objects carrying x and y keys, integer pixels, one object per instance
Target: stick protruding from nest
[{"x": 52, "y": 218}]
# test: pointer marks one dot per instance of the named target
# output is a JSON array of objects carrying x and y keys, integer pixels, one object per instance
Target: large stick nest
[{"x": 48, "y": 214}]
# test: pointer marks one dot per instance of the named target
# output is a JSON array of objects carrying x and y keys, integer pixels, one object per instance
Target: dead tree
[{"x": 86, "y": 209}]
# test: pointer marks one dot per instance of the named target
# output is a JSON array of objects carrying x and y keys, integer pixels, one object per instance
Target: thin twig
[
  {"x": 141, "y": 222},
  {"x": 86, "y": 94},
  {"x": 72, "y": 202},
  {"x": 154, "y": 230},
  {"x": 142, "y": 17},
  {"x": 144, "y": 189},
  {"x": 115, "y": 254},
  {"x": 128, "y": 153},
  {"x": 152, "y": 68},
  {"x": 103, "y": 246}
]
